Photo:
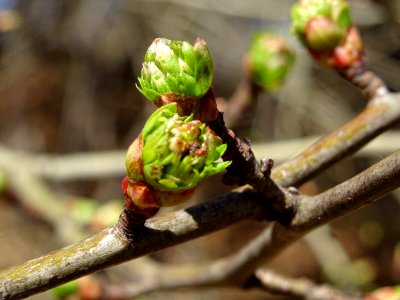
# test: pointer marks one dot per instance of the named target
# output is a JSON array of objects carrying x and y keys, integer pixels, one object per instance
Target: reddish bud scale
[
  {"x": 185, "y": 105},
  {"x": 134, "y": 159},
  {"x": 137, "y": 193},
  {"x": 141, "y": 195},
  {"x": 347, "y": 54},
  {"x": 130, "y": 205},
  {"x": 203, "y": 109},
  {"x": 350, "y": 52},
  {"x": 208, "y": 110}
]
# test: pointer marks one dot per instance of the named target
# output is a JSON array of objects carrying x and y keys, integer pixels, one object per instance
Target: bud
[
  {"x": 170, "y": 157},
  {"x": 324, "y": 27},
  {"x": 176, "y": 68},
  {"x": 270, "y": 59},
  {"x": 337, "y": 11},
  {"x": 66, "y": 289}
]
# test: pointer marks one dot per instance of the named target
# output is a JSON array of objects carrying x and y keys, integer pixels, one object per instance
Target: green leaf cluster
[
  {"x": 179, "y": 152},
  {"x": 176, "y": 67}
]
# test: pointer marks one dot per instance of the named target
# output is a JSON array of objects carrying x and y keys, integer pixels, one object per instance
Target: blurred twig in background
[{"x": 68, "y": 101}]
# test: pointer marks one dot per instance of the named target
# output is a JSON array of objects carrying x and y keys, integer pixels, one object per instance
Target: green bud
[
  {"x": 176, "y": 152},
  {"x": 270, "y": 59},
  {"x": 337, "y": 11},
  {"x": 323, "y": 34},
  {"x": 176, "y": 67},
  {"x": 62, "y": 291}
]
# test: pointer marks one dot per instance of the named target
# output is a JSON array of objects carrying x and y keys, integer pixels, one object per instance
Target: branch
[
  {"x": 312, "y": 212},
  {"x": 379, "y": 115},
  {"x": 281, "y": 150},
  {"x": 246, "y": 169},
  {"x": 367, "y": 81},
  {"x": 110, "y": 246}
]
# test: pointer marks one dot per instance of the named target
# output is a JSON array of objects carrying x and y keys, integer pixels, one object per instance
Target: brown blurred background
[{"x": 67, "y": 85}]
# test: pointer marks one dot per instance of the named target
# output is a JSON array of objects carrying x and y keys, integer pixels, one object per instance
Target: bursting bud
[
  {"x": 270, "y": 59},
  {"x": 177, "y": 69},
  {"x": 170, "y": 157}
]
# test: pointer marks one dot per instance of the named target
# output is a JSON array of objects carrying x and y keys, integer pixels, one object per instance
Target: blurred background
[{"x": 67, "y": 85}]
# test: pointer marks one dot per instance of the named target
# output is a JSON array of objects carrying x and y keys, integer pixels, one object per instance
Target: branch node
[
  {"x": 132, "y": 218},
  {"x": 266, "y": 165},
  {"x": 293, "y": 190}
]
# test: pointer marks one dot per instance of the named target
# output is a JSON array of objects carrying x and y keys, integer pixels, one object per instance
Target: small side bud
[
  {"x": 324, "y": 27},
  {"x": 306, "y": 10},
  {"x": 270, "y": 59}
]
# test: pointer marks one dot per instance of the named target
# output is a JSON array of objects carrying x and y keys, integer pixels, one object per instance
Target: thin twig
[
  {"x": 302, "y": 288},
  {"x": 240, "y": 108},
  {"x": 330, "y": 254},
  {"x": 379, "y": 115},
  {"x": 367, "y": 81}
]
